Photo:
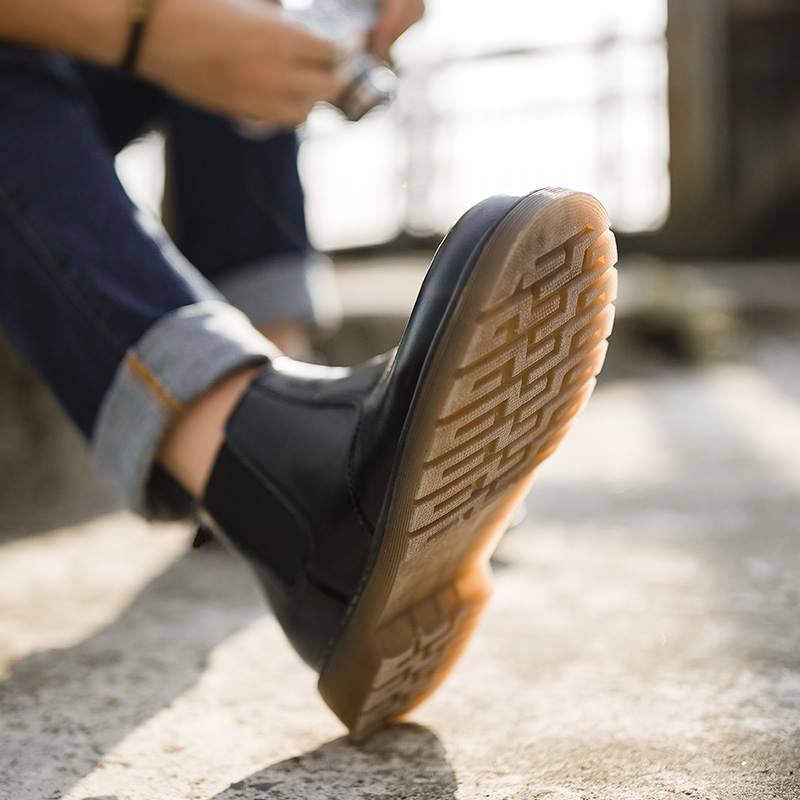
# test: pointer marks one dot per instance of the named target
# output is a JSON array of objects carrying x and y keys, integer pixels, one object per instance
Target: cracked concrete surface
[{"x": 643, "y": 640}]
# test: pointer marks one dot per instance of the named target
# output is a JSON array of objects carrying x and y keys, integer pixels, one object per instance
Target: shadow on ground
[
  {"x": 64, "y": 709},
  {"x": 405, "y": 761}
]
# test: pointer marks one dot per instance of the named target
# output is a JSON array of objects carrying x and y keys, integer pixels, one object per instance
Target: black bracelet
[{"x": 140, "y": 14}]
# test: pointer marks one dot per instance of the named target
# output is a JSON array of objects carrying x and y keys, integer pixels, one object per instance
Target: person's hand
[
  {"x": 242, "y": 58},
  {"x": 394, "y": 17}
]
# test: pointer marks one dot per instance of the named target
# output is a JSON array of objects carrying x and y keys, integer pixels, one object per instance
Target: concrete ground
[{"x": 643, "y": 641}]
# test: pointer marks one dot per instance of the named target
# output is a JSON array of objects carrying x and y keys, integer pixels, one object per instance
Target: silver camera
[{"x": 368, "y": 84}]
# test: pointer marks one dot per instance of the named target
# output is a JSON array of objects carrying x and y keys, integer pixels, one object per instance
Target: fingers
[
  {"x": 396, "y": 17},
  {"x": 299, "y": 73},
  {"x": 290, "y": 101},
  {"x": 316, "y": 50},
  {"x": 312, "y": 62},
  {"x": 240, "y": 58}
]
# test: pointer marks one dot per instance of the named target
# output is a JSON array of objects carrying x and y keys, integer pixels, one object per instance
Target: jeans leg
[
  {"x": 124, "y": 107},
  {"x": 237, "y": 213},
  {"x": 122, "y": 329}
]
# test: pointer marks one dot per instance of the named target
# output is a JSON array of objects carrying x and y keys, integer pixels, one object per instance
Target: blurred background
[
  {"x": 494, "y": 101},
  {"x": 682, "y": 117},
  {"x": 643, "y": 637}
]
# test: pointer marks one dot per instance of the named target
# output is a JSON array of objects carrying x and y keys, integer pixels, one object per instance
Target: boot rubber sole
[{"x": 516, "y": 362}]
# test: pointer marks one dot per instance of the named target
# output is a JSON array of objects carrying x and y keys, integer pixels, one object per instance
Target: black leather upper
[{"x": 306, "y": 471}]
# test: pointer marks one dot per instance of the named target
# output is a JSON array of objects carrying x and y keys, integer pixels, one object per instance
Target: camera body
[{"x": 368, "y": 84}]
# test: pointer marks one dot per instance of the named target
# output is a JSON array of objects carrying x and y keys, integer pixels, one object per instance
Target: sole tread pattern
[
  {"x": 417, "y": 649},
  {"x": 528, "y": 355},
  {"x": 509, "y": 401}
]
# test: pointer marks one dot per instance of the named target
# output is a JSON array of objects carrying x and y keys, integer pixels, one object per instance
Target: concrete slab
[{"x": 643, "y": 640}]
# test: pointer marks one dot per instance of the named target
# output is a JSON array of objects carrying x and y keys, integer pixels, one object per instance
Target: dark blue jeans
[
  {"x": 119, "y": 324},
  {"x": 233, "y": 200}
]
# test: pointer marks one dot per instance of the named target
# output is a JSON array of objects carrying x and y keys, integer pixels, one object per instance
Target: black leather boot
[{"x": 369, "y": 500}]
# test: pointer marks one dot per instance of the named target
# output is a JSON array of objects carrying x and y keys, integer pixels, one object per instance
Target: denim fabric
[
  {"x": 236, "y": 207},
  {"x": 88, "y": 287},
  {"x": 81, "y": 280},
  {"x": 180, "y": 356},
  {"x": 234, "y": 204},
  {"x": 295, "y": 286}
]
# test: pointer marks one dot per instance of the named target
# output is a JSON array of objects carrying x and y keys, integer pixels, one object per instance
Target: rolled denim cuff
[
  {"x": 177, "y": 360},
  {"x": 296, "y": 287}
]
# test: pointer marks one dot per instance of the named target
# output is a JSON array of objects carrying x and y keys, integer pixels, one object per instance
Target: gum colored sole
[{"x": 516, "y": 364}]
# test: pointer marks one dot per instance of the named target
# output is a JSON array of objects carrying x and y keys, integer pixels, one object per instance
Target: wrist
[
  {"x": 85, "y": 29},
  {"x": 98, "y": 31}
]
